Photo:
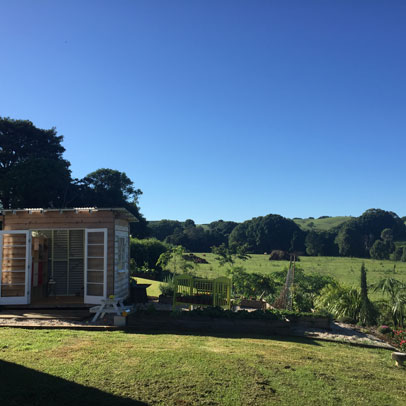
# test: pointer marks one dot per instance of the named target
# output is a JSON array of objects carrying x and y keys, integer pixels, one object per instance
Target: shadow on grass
[
  {"x": 21, "y": 386},
  {"x": 221, "y": 334}
]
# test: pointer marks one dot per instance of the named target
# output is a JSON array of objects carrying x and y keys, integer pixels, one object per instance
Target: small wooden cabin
[{"x": 64, "y": 256}]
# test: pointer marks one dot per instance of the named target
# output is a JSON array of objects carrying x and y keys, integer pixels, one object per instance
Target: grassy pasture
[
  {"x": 321, "y": 224},
  {"x": 345, "y": 270},
  {"x": 63, "y": 367}
]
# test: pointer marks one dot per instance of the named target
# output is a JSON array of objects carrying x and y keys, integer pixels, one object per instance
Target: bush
[
  {"x": 144, "y": 256},
  {"x": 347, "y": 320},
  {"x": 399, "y": 339},
  {"x": 168, "y": 288},
  {"x": 252, "y": 285},
  {"x": 274, "y": 314},
  {"x": 384, "y": 329}
]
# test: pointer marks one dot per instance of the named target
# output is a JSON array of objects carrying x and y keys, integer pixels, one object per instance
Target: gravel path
[{"x": 344, "y": 333}]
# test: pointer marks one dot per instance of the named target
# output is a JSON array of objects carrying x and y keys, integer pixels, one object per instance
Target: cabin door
[
  {"x": 15, "y": 267},
  {"x": 95, "y": 265}
]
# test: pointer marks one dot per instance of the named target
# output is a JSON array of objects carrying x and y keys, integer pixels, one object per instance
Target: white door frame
[
  {"x": 88, "y": 299},
  {"x": 26, "y": 299}
]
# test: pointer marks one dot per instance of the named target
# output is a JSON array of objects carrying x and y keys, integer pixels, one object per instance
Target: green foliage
[
  {"x": 145, "y": 254},
  {"x": 33, "y": 172},
  {"x": 340, "y": 301},
  {"x": 380, "y": 250},
  {"x": 399, "y": 254},
  {"x": 271, "y": 314},
  {"x": 264, "y": 234},
  {"x": 164, "y": 228},
  {"x": 193, "y": 238},
  {"x": 399, "y": 339},
  {"x": 252, "y": 285},
  {"x": 357, "y": 236},
  {"x": 174, "y": 261},
  {"x": 387, "y": 235},
  {"x": 168, "y": 287},
  {"x": 306, "y": 287},
  {"x": 321, "y": 243},
  {"x": 384, "y": 329},
  {"x": 396, "y": 291},
  {"x": 368, "y": 314},
  {"x": 111, "y": 188},
  {"x": 228, "y": 256}
]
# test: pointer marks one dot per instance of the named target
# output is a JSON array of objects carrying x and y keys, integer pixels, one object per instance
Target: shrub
[
  {"x": 145, "y": 253},
  {"x": 168, "y": 288},
  {"x": 384, "y": 329},
  {"x": 399, "y": 339},
  {"x": 274, "y": 314},
  {"x": 252, "y": 285},
  {"x": 347, "y": 320}
]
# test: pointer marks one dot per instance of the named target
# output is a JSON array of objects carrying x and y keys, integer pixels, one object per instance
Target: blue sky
[{"x": 216, "y": 108}]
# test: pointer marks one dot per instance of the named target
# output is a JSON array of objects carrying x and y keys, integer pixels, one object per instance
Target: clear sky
[{"x": 219, "y": 108}]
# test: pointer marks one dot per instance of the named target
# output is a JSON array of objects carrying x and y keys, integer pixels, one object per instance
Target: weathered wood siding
[
  {"x": 121, "y": 279},
  {"x": 69, "y": 220}
]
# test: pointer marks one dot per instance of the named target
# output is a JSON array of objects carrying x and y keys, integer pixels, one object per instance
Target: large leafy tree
[
  {"x": 271, "y": 232},
  {"x": 111, "y": 188},
  {"x": 33, "y": 172},
  {"x": 357, "y": 236}
]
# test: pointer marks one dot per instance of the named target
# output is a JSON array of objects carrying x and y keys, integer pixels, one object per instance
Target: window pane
[
  {"x": 95, "y": 238},
  {"x": 95, "y": 250},
  {"x": 95, "y": 276},
  {"x": 95, "y": 263},
  {"x": 94, "y": 290},
  {"x": 12, "y": 290}
]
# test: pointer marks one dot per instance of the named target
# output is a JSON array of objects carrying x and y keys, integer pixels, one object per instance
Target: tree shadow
[
  {"x": 253, "y": 329},
  {"x": 22, "y": 386}
]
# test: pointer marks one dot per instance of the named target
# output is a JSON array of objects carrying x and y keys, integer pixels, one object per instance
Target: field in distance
[
  {"x": 321, "y": 224},
  {"x": 345, "y": 270}
]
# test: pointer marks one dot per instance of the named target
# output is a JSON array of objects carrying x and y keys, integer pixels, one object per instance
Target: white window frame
[
  {"x": 89, "y": 299},
  {"x": 26, "y": 299}
]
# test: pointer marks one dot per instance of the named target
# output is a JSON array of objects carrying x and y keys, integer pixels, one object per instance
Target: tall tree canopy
[
  {"x": 357, "y": 236},
  {"x": 264, "y": 234},
  {"x": 32, "y": 169},
  {"x": 111, "y": 188}
]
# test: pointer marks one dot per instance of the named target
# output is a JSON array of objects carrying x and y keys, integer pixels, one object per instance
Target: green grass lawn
[
  {"x": 64, "y": 367},
  {"x": 153, "y": 290},
  {"x": 345, "y": 270}
]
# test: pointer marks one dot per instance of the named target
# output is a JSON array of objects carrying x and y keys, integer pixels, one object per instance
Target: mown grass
[
  {"x": 62, "y": 366},
  {"x": 153, "y": 290},
  {"x": 345, "y": 270}
]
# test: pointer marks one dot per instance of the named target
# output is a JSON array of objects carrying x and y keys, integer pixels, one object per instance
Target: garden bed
[{"x": 220, "y": 321}]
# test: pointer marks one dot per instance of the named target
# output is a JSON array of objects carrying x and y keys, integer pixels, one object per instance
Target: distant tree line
[
  {"x": 189, "y": 235},
  {"x": 375, "y": 234}
]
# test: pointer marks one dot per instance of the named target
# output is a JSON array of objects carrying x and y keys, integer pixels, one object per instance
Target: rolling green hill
[{"x": 321, "y": 224}]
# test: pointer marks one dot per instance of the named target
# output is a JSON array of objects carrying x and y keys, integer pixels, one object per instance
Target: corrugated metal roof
[{"x": 129, "y": 216}]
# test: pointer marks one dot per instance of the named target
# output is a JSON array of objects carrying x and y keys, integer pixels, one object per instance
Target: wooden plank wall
[{"x": 68, "y": 220}]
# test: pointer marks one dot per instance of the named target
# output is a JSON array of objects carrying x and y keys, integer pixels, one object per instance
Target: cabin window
[{"x": 122, "y": 259}]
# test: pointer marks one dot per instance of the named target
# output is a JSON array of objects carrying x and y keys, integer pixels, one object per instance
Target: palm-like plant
[
  {"x": 396, "y": 291},
  {"x": 340, "y": 301}
]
